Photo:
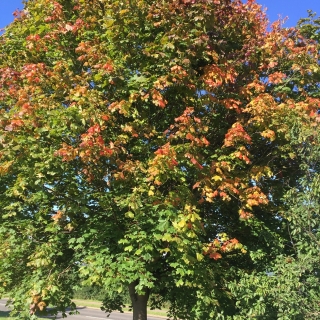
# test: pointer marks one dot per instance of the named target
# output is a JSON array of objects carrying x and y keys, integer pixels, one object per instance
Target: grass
[
  {"x": 97, "y": 304},
  {"x": 5, "y": 315}
]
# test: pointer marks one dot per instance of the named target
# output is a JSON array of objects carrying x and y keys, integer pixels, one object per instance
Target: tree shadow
[{"x": 4, "y": 314}]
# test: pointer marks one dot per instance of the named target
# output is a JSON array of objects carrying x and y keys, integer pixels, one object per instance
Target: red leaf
[
  {"x": 108, "y": 67},
  {"x": 215, "y": 255},
  {"x": 196, "y": 163},
  {"x": 94, "y": 129},
  {"x": 189, "y": 136},
  {"x": 196, "y": 185}
]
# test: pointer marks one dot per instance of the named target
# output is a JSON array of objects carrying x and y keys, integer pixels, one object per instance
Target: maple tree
[{"x": 153, "y": 147}]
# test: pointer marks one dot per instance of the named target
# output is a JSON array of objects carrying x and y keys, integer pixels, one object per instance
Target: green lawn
[{"x": 4, "y": 315}]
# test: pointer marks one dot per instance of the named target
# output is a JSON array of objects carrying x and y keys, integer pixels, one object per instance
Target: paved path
[{"x": 91, "y": 314}]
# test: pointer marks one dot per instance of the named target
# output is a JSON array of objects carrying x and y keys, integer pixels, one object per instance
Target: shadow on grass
[{"x": 4, "y": 314}]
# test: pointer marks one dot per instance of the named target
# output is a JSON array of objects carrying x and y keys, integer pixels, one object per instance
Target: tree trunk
[{"x": 139, "y": 302}]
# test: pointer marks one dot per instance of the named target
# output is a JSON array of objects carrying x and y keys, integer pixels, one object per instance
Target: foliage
[
  {"x": 162, "y": 147},
  {"x": 290, "y": 290},
  {"x": 90, "y": 293}
]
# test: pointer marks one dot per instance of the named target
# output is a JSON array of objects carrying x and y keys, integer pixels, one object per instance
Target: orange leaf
[{"x": 215, "y": 255}]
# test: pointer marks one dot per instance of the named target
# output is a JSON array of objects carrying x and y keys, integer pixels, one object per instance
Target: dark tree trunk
[{"x": 139, "y": 302}]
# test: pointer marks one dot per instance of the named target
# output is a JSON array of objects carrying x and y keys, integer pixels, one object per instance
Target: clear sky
[
  {"x": 294, "y": 9},
  {"x": 6, "y": 9}
]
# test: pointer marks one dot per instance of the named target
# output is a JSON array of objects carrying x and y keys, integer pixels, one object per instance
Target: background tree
[
  {"x": 148, "y": 146},
  {"x": 290, "y": 290}
]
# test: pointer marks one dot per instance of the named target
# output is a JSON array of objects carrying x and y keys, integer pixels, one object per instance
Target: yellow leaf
[
  {"x": 124, "y": 11},
  {"x": 182, "y": 223},
  {"x": 193, "y": 217},
  {"x": 5, "y": 166},
  {"x": 167, "y": 237},
  {"x": 109, "y": 22},
  {"x": 130, "y": 214},
  {"x": 219, "y": 170},
  {"x": 199, "y": 256}
]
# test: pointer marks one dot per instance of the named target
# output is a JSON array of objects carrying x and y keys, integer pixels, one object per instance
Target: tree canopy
[{"x": 168, "y": 148}]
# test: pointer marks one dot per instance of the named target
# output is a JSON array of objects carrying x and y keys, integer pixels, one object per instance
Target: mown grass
[{"x": 5, "y": 315}]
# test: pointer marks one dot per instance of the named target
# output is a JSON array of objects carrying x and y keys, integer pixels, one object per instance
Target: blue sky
[
  {"x": 6, "y": 9},
  {"x": 294, "y": 9}
]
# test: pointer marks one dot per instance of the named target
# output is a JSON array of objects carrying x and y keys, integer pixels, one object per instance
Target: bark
[{"x": 139, "y": 302}]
